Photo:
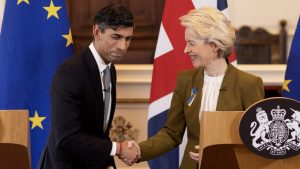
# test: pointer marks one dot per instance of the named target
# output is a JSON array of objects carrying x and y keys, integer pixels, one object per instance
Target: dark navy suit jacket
[{"x": 76, "y": 139}]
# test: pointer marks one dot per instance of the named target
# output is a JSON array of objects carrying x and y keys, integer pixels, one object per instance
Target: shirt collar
[{"x": 100, "y": 62}]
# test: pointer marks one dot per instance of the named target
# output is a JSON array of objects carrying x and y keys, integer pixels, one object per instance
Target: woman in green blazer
[{"x": 214, "y": 85}]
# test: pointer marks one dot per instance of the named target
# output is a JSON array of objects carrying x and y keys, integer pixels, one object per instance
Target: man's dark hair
[{"x": 113, "y": 16}]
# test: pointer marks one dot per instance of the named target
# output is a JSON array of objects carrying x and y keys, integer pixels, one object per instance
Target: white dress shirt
[{"x": 210, "y": 93}]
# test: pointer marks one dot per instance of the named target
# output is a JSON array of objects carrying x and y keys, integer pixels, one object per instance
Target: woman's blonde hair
[{"x": 212, "y": 26}]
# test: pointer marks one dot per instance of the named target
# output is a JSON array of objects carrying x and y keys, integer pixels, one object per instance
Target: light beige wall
[{"x": 264, "y": 13}]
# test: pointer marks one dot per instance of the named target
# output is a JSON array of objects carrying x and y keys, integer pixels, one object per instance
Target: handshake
[{"x": 128, "y": 151}]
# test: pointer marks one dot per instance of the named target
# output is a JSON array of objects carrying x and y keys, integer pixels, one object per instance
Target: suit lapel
[
  {"x": 95, "y": 80},
  {"x": 198, "y": 83},
  {"x": 94, "y": 74}
]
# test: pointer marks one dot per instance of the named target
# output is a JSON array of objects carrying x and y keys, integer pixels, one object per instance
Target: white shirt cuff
[{"x": 113, "y": 149}]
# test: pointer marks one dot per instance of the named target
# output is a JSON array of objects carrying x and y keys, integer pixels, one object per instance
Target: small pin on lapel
[{"x": 190, "y": 100}]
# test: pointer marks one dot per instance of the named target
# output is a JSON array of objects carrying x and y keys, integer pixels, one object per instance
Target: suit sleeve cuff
[{"x": 113, "y": 149}]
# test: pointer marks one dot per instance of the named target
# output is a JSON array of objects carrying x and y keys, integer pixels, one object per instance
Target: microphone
[{"x": 223, "y": 89}]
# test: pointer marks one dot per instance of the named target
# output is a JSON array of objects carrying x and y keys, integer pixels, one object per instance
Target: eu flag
[
  {"x": 35, "y": 38},
  {"x": 291, "y": 85}
]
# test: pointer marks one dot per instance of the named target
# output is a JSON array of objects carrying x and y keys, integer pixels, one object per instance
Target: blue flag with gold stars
[
  {"x": 35, "y": 38},
  {"x": 291, "y": 84}
]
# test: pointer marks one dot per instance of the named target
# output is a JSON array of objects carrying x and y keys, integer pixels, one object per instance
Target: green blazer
[{"x": 238, "y": 91}]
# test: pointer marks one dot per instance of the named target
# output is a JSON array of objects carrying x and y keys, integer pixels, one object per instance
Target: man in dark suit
[{"x": 83, "y": 98}]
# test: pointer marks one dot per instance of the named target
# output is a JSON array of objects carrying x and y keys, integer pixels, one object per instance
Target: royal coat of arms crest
[{"x": 274, "y": 131}]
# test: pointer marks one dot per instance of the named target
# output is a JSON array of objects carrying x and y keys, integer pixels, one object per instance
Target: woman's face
[{"x": 201, "y": 53}]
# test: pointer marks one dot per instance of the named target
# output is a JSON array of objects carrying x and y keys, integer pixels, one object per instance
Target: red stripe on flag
[
  {"x": 173, "y": 10},
  {"x": 232, "y": 57},
  {"x": 169, "y": 64},
  {"x": 164, "y": 74}
]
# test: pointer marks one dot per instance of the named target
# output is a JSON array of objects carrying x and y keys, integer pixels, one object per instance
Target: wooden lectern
[
  {"x": 222, "y": 148},
  {"x": 14, "y": 140}
]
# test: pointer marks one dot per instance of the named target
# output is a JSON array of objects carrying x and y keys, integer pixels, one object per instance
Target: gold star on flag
[
  {"x": 36, "y": 121},
  {"x": 20, "y": 1},
  {"x": 52, "y": 10},
  {"x": 69, "y": 38},
  {"x": 285, "y": 85}
]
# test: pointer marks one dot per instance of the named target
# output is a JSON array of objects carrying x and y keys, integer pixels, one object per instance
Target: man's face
[{"x": 112, "y": 44}]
